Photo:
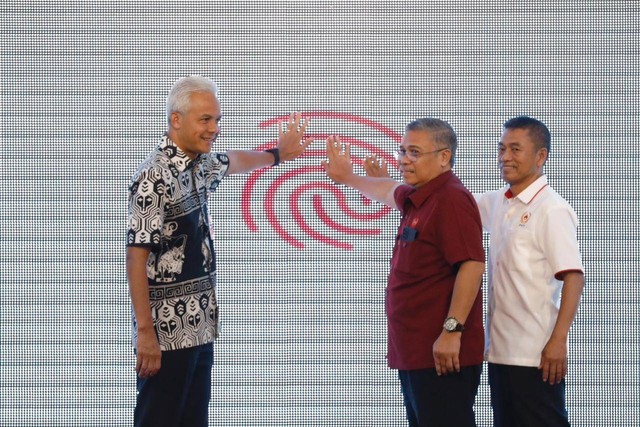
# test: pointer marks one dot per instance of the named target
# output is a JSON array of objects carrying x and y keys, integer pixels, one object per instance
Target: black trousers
[
  {"x": 440, "y": 401},
  {"x": 179, "y": 394},
  {"x": 520, "y": 398}
]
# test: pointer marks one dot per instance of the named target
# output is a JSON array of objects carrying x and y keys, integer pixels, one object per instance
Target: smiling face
[
  {"x": 520, "y": 159},
  {"x": 196, "y": 129},
  {"x": 424, "y": 159}
]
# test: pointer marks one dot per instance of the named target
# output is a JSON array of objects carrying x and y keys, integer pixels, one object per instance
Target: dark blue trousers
[
  {"x": 440, "y": 401},
  {"x": 179, "y": 394},
  {"x": 520, "y": 398}
]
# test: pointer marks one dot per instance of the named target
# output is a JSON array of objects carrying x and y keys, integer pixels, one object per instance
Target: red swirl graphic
[{"x": 314, "y": 186}]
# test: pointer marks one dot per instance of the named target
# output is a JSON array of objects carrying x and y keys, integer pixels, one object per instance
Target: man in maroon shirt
[{"x": 433, "y": 303}]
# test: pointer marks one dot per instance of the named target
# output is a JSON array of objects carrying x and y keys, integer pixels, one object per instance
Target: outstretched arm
[
  {"x": 290, "y": 146},
  {"x": 340, "y": 169}
]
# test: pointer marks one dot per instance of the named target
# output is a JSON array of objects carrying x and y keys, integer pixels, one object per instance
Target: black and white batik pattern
[{"x": 168, "y": 213}]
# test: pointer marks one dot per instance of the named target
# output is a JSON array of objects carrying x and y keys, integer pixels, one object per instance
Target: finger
[
  {"x": 337, "y": 142},
  {"x": 306, "y": 143},
  {"x": 331, "y": 147},
  {"x": 383, "y": 164},
  {"x": 367, "y": 167},
  {"x": 560, "y": 372},
  {"x": 293, "y": 121},
  {"x": 456, "y": 364},
  {"x": 438, "y": 367},
  {"x": 449, "y": 365},
  {"x": 552, "y": 373},
  {"x": 143, "y": 369},
  {"x": 336, "y": 145},
  {"x": 155, "y": 366},
  {"x": 303, "y": 126},
  {"x": 347, "y": 150},
  {"x": 545, "y": 370},
  {"x": 138, "y": 364}
]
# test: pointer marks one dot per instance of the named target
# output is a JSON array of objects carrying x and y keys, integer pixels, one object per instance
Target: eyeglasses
[{"x": 413, "y": 154}]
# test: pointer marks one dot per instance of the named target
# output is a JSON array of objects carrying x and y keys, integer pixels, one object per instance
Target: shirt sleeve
[
  {"x": 558, "y": 240},
  {"x": 146, "y": 208},
  {"x": 460, "y": 233},
  {"x": 401, "y": 194},
  {"x": 486, "y": 204},
  {"x": 215, "y": 169}
]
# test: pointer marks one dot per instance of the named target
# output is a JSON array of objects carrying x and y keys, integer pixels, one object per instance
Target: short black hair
[{"x": 538, "y": 131}]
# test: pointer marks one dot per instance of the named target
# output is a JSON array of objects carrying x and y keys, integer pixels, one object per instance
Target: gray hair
[
  {"x": 442, "y": 133},
  {"x": 179, "y": 99}
]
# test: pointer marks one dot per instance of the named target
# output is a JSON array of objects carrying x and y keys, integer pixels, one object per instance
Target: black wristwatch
[
  {"x": 276, "y": 155},
  {"x": 451, "y": 324}
]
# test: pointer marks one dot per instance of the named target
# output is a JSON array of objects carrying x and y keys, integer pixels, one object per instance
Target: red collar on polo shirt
[{"x": 528, "y": 194}]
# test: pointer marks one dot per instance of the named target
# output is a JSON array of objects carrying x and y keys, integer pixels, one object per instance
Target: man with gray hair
[
  {"x": 171, "y": 262},
  {"x": 433, "y": 303}
]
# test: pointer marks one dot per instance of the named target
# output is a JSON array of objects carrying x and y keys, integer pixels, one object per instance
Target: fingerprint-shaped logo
[{"x": 310, "y": 178}]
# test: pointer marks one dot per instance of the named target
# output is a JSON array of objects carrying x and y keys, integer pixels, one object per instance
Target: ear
[
  {"x": 175, "y": 120},
  {"x": 541, "y": 157},
  {"x": 445, "y": 158}
]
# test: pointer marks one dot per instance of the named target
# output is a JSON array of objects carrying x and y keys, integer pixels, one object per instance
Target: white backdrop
[{"x": 303, "y": 331}]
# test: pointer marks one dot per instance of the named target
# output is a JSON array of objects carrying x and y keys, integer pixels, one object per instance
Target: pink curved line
[
  {"x": 270, "y": 198},
  {"x": 256, "y": 175},
  {"x": 294, "y": 199},
  {"x": 324, "y": 217},
  {"x": 347, "y": 117},
  {"x": 317, "y": 201},
  {"x": 270, "y": 204}
]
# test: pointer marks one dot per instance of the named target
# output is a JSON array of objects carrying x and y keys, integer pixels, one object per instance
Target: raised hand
[
  {"x": 376, "y": 167},
  {"x": 290, "y": 137},
  {"x": 338, "y": 164}
]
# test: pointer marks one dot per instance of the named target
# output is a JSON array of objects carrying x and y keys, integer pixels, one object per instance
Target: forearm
[
  {"x": 139, "y": 286},
  {"x": 244, "y": 161},
  {"x": 571, "y": 293},
  {"x": 378, "y": 189},
  {"x": 465, "y": 290}
]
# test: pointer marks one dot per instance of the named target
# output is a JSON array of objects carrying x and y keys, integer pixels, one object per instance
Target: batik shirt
[{"x": 168, "y": 214}]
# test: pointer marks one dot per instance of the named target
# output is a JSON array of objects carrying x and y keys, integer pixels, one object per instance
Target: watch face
[{"x": 450, "y": 324}]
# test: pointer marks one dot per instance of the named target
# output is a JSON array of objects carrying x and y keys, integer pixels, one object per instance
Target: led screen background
[{"x": 302, "y": 263}]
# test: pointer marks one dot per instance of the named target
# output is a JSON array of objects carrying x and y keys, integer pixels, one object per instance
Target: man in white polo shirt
[{"x": 535, "y": 282}]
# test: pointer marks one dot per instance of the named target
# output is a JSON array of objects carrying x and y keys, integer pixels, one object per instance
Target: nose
[
  {"x": 214, "y": 127},
  {"x": 402, "y": 159}
]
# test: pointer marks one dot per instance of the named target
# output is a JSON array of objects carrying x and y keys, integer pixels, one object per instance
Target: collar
[
  {"x": 529, "y": 193},
  {"x": 178, "y": 157},
  {"x": 421, "y": 194}
]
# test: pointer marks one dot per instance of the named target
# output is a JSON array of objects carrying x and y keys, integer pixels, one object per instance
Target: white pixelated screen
[{"x": 302, "y": 263}]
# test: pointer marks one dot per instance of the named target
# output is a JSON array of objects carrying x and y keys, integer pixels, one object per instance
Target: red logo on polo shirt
[{"x": 524, "y": 218}]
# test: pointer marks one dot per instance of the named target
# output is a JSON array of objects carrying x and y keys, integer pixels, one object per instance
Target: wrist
[
  {"x": 144, "y": 327},
  {"x": 451, "y": 324},
  {"x": 276, "y": 155}
]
